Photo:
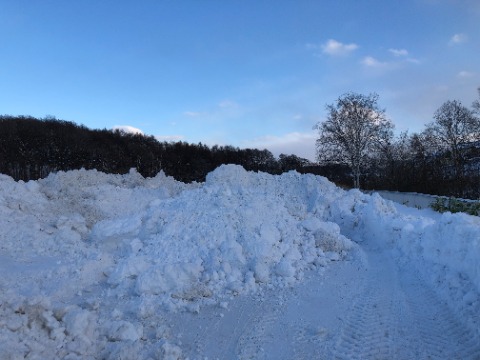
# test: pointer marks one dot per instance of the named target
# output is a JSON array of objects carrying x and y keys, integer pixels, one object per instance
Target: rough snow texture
[{"x": 90, "y": 261}]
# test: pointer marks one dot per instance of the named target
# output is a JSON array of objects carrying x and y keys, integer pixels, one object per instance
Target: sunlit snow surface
[{"x": 93, "y": 265}]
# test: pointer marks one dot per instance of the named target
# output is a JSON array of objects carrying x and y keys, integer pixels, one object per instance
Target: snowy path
[
  {"x": 367, "y": 308},
  {"x": 397, "y": 316}
]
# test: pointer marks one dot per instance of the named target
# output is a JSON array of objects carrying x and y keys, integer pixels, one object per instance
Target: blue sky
[{"x": 235, "y": 72}]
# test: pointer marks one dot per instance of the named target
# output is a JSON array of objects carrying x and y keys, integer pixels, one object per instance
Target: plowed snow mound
[{"x": 91, "y": 262}]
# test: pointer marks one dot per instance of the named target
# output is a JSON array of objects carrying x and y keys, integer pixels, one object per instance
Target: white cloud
[
  {"x": 465, "y": 74},
  {"x": 336, "y": 48},
  {"x": 215, "y": 111},
  {"x": 372, "y": 62},
  {"x": 127, "y": 129},
  {"x": 192, "y": 113},
  {"x": 398, "y": 52},
  {"x": 170, "y": 138},
  {"x": 228, "y": 104},
  {"x": 458, "y": 39},
  {"x": 413, "y": 61},
  {"x": 300, "y": 144},
  {"x": 404, "y": 54}
]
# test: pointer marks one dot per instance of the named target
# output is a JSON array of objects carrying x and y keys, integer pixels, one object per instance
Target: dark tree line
[
  {"x": 32, "y": 148},
  {"x": 444, "y": 159},
  {"x": 412, "y": 164}
]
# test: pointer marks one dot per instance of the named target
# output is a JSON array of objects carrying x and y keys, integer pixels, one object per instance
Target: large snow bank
[
  {"x": 238, "y": 231},
  {"x": 91, "y": 261}
]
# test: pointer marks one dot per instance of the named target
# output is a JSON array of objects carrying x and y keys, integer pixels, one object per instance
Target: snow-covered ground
[
  {"x": 247, "y": 265},
  {"x": 416, "y": 200}
]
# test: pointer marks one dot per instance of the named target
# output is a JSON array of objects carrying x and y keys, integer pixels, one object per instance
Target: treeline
[
  {"x": 32, "y": 148},
  {"x": 443, "y": 159},
  {"x": 412, "y": 164}
]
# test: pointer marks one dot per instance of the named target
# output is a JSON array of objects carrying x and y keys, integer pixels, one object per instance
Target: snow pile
[
  {"x": 444, "y": 247},
  {"x": 91, "y": 262},
  {"x": 238, "y": 231}
]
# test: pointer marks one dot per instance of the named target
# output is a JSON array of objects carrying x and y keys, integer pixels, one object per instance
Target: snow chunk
[
  {"x": 79, "y": 324},
  {"x": 123, "y": 331}
]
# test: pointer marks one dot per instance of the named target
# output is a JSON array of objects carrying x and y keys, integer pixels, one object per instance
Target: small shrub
[{"x": 454, "y": 205}]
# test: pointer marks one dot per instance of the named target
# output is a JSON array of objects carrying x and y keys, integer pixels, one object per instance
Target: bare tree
[
  {"x": 394, "y": 163},
  {"x": 454, "y": 128},
  {"x": 355, "y": 127}
]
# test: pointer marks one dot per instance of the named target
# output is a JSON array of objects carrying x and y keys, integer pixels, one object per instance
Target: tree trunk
[{"x": 356, "y": 175}]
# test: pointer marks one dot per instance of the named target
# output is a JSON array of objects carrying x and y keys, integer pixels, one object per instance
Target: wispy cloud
[
  {"x": 224, "y": 106},
  {"x": 300, "y": 144},
  {"x": 465, "y": 74},
  {"x": 371, "y": 62},
  {"x": 127, "y": 129},
  {"x": 403, "y": 54},
  {"x": 458, "y": 39},
  {"x": 398, "y": 52},
  {"x": 227, "y": 104},
  {"x": 192, "y": 113},
  {"x": 413, "y": 61},
  {"x": 333, "y": 47}
]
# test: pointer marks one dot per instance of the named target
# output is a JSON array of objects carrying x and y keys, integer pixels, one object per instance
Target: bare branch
[{"x": 355, "y": 127}]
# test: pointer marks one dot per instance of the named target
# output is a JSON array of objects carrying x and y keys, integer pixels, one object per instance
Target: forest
[{"x": 32, "y": 148}]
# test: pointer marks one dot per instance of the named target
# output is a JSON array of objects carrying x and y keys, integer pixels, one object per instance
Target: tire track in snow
[
  {"x": 439, "y": 334},
  {"x": 307, "y": 341},
  {"x": 354, "y": 310},
  {"x": 251, "y": 343},
  {"x": 301, "y": 340},
  {"x": 238, "y": 331},
  {"x": 398, "y": 317},
  {"x": 368, "y": 332},
  {"x": 214, "y": 332}
]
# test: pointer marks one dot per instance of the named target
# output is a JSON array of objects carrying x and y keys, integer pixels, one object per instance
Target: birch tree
[{"x": 355, "y": 127}]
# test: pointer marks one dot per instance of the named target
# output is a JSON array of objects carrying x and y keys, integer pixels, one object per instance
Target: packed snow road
[
  {"x": 245, "y": 266},
  {"x": 368, "y": 307}
]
